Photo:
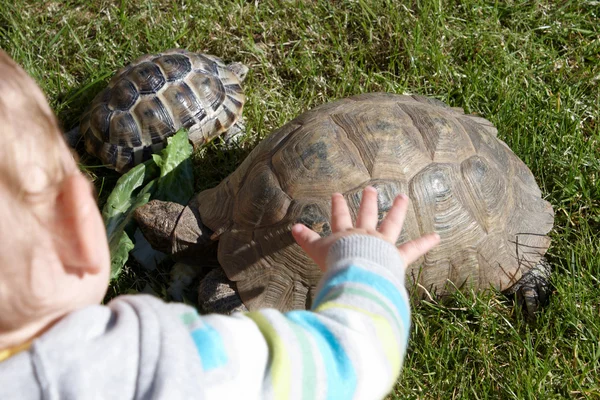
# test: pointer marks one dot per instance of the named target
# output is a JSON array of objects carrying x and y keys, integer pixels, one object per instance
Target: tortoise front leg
[{"x": 217, "y": 294}]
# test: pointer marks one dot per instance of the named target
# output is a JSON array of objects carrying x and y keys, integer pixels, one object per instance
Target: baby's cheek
[
  {"x": 45, "y": 270},
  {"x": 29, "y": 290}
]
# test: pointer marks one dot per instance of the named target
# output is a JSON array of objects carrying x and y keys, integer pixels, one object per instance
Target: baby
[{"x": 58, "y": 342}]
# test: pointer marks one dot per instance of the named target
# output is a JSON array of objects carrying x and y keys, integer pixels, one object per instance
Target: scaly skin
[{"x": 533, "y": 289}]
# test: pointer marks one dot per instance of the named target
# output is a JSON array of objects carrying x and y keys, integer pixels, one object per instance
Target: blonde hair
[
  {"x": 34, "y": 162},
  {"x": 32, "y": 149}
]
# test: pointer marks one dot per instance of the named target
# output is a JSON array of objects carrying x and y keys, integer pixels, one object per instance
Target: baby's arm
[{"x": 351, "y": 346}]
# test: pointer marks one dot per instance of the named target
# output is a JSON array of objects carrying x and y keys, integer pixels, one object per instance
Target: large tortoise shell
[
  {"x": 464, "y": 183},
  {"x": 152, "y": 98}
]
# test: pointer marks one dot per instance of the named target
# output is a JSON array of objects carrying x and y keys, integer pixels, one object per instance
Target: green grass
[{"x": 531, "y": 67}]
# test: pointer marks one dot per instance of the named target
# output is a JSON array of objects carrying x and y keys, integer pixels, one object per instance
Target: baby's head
[{"x": 53, "y": 251}]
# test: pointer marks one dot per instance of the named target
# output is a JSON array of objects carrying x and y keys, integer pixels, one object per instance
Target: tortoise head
[
  {"x": 175, "y": 229},
  {"x": 239, "y": 70}
]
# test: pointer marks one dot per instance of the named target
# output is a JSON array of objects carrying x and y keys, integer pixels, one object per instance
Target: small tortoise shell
[{"x": 150, "y": 99}]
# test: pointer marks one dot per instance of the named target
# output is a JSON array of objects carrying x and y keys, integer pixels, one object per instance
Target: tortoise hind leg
[
  {"x": 234, "y": 135},
  {"x": 73, "y": 137},
  {"x": 532, "y": 291}
]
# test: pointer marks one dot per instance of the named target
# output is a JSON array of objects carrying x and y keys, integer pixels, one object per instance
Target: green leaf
[
  {"x": 118, "y": 213},
  {"x": 168, "y": 176},
  {"x": 176, "y": 181},
  {"x": 119, "y": 253},
  {"x": 121, "y": 200}
]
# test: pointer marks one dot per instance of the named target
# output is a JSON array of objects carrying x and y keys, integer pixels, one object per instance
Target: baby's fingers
[
  {"x": 367, "y": 213},
  {"x": 391, "y": 226},
  {"x": 340, "y": 215},
  {"x": 414, "y": 249}
]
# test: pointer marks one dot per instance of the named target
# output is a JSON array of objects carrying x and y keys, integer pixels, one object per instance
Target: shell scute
[
  {"x": 234, "y": 89},
  {"x": 209, "y": 90},
  {"x": 186, "y": 108},
  {"x": 388, "y": 144},
  {"x": 123, "y": 95},
  {"x": 315, "y": 216},
  {"x": 442, "y": 206},
  {"x": 147, "y": 78},
  {"x": 124, "y": 155},
  {"x": 154, "y": 120},
  {"x": 487, "y": 145},
  {"x": 318, "y": 160},
  {"x": 112, "y": 152},
  {"x": 490, "y": 192},
  {"x": 204, "y": 64},
  {"x": 445, "y": 140},
  {"x": 99, "y": 120},
  {"x": 261, "y": 207},
  {"x": 174, "y": 66},
  {"x": 124, "y": 131}
]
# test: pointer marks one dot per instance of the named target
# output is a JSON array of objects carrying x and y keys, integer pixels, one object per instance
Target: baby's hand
[{"x": 366, "y": 224}]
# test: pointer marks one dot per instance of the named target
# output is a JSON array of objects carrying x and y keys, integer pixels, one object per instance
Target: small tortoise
[
  {"x": 464, "y": 183},
  {"x": 153, "y": 97}
]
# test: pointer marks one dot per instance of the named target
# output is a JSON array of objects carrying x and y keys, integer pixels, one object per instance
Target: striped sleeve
[{"x": 350, "y": 345}]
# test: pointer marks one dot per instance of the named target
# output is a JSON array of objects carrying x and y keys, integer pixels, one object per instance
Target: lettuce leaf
[
  {"x": 176, "y": 181},
  {"x": 167, "y": 176}
]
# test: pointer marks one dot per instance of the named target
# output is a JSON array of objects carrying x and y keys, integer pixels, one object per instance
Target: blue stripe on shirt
[
  {"x": 210, "y": 346},
  {"x": 341, "y": 377},
  {"x": 354, "y": 274}
]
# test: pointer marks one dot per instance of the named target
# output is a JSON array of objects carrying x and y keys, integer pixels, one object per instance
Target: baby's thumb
[
  {"x": 311, "y": 243},
  {"x": 307, "y": 239}
]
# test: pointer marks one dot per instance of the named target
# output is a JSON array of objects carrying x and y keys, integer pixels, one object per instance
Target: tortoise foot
[
  {"x": 217, "y": 294},
  {"x": 182, "y": 276},
  {"x": 233, "y": 137},
  {"x": 532, "y": 291}
]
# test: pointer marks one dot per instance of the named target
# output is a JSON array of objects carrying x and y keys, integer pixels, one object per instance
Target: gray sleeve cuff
[{"x": 366, "y": 251}]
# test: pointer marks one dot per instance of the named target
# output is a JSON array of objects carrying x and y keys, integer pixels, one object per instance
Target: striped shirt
[{"x": 350, "y": 345}]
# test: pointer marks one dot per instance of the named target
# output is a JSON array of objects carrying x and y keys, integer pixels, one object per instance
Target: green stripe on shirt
[
  {"x": 309, "y": 368},
  {"x": 280, "y": 362}
]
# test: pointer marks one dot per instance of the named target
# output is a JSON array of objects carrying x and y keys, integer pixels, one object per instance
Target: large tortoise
[
  {"x": 464, "y": 183},
  {"x": 150, "y": 99}
]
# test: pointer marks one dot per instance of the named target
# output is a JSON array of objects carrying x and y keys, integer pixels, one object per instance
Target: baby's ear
[{"x": 75, "y": 225}]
